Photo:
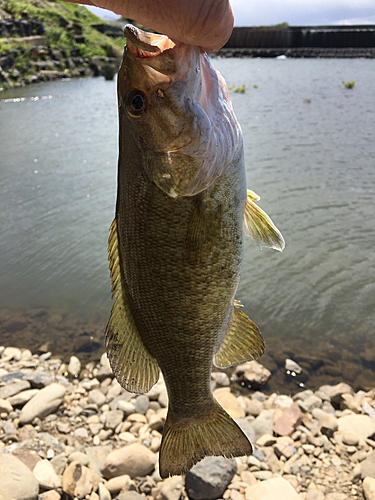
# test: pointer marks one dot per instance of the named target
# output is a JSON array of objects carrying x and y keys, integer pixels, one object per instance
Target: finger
[{"x": 206, "y": 23}]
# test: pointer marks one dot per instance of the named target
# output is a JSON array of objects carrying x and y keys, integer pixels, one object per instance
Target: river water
[{"x": 309, "y": 151}]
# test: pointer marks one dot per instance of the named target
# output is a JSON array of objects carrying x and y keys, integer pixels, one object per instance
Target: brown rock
[
  {"x": 77, "y": 480},
  {"x": 29, "y": 458},
  {"x": 288, "y": 420},
  {"x": 26, "y": 432}
]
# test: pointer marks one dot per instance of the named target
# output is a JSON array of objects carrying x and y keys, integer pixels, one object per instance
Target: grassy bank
[{"x": 42, "y": 39}]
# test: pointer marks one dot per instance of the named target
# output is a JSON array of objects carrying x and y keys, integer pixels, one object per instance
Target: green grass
[{"x": 96, "y": 44}]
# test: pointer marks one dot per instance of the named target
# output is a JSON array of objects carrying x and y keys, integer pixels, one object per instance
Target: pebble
[
  {"x": 317, "y": 442},
  {"x": 97, "y": 397},
  {"x": 46, "y": 475},
  {"x": 74, "y": 366},
  {"x": 292, "y": 366},
  {"x": 141, "y": 404},
  {"x": 170, "y": 489},
  {"x": 263, "y": 424}
]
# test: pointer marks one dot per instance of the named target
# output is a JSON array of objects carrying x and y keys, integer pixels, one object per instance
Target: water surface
[{"x": 309, "y": 155}]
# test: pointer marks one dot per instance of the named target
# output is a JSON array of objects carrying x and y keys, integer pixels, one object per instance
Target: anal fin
[
  {"x": 242, "y": 342},
  {"x": 260, "y": 226},
  {"x": 134, "y": 367}
]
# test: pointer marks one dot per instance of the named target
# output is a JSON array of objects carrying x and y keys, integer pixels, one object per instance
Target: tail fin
[{"x": 186, "y": 442}]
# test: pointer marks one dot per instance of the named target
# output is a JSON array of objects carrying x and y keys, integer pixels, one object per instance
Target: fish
[{"x": 176, "y": 244}]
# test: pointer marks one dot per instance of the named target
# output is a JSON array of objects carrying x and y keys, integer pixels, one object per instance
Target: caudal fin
[{"x": 186, "y": 442}]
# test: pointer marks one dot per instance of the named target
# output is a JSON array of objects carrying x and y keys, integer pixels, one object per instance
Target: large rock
[
  {"x": 208, "y": 479},
  {"x": 252, "y": 374},
  {"x": 46, "y": 401},
  {"x": 16, "y": 480},
  {"x": 134, "y": 460},
  {"x": 276, "y": 488},
  {"x": 362, "y": 425},
  {"x": 368, "y": 486}
]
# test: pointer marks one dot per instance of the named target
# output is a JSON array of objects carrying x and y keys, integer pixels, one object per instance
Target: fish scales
[{"x": 176, "y": 244}]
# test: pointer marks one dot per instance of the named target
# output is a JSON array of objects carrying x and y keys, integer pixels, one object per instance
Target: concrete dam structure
[{"x": 303, "y": 41}]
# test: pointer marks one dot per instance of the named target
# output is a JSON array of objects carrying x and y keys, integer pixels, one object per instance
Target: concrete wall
[{"x": 303, "y": 36}]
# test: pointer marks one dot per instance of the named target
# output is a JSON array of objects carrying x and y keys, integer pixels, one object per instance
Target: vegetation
[
  {"x": 240, "y": 90},
  {"x": 349, "y": 85},
  {"x": 67, "y": 29}
]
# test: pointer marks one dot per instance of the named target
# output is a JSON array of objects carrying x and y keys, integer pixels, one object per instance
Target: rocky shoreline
[{"x": 71, "y": 432}]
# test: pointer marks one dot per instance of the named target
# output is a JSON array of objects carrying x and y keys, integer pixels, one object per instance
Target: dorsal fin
[
  {"x": 134, "y": 367},
  {"x": 260, "y": 226},
  {"x": 242, "y": 342}
]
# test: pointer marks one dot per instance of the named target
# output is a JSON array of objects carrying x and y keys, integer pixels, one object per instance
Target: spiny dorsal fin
[
  {"x": 134, "y": 367},
  {"x": 260, "y": 226},
  {"x": 242, "y": 342}
]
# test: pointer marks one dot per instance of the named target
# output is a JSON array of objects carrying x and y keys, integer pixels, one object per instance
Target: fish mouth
[{"x": 144, "y": 45}]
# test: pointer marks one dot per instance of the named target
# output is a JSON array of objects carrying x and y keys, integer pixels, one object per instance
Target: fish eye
[{"x": 136, "y": 102}]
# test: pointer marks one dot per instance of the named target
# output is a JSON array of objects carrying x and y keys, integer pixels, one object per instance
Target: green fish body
[{"x": 176, "y": 244}]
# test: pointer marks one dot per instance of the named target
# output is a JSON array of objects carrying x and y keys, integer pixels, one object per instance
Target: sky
[{"x": 294, "y": 12}]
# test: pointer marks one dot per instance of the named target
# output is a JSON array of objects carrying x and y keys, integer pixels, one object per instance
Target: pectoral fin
[
  {"x": 134, "y": 367},
  {"x": 260, "y": 226},
  {"x": 242, "y": 342}
]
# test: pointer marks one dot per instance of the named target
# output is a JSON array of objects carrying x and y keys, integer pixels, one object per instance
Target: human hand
[{"x": 205, "y": 23}]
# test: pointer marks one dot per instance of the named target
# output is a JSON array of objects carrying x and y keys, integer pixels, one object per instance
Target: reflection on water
[{"x": 309, "y": 155}]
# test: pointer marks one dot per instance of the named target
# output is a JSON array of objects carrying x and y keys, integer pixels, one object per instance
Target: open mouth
[{"x": 144, "y": 44}]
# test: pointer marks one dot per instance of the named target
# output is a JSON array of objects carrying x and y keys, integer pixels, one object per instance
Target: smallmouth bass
[{"x": 176, "y": 244}]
